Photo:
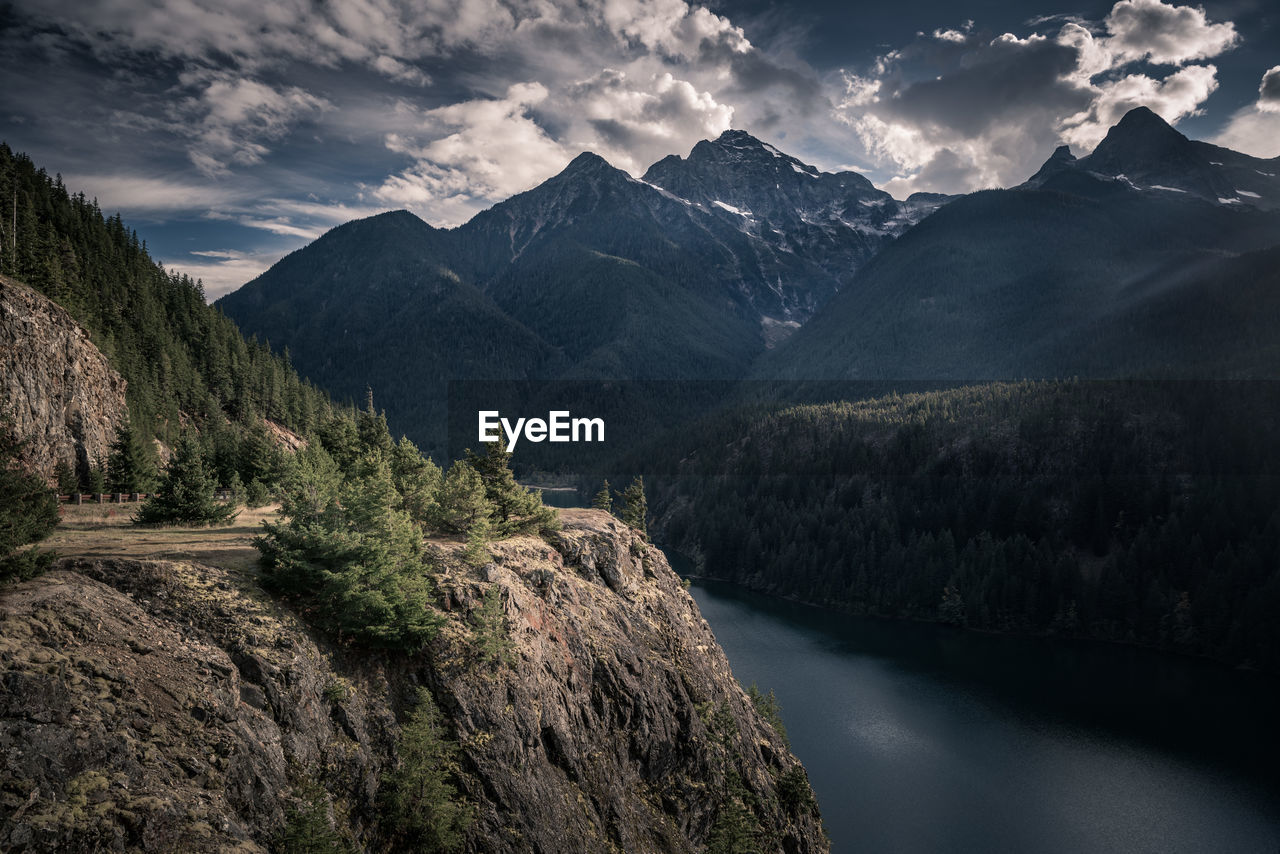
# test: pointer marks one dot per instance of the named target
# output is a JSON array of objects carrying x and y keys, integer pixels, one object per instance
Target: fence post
[{"x": 78, "y": 498}]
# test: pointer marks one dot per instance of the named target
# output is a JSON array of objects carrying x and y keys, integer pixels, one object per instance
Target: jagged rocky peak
[
  {"x": 60, "y": 392},
  {"x": 740, "y": 146},
  {"x": 1062, "y": 160},
  {"x": 737, "y": 174},
  {"x": 740, "y": 165},
  {"x": 587, "y": 162},
  {"x": 585, "y": 183}
]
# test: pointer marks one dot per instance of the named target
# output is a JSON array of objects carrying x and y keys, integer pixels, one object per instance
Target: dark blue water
[{"x": 926, "y": 738}]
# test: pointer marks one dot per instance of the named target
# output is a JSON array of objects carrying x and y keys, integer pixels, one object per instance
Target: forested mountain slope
[
  {"x": 181, "y": 358},
  {"x": 1100, "y": 281},
  {"x": 1146, "y": 512}
]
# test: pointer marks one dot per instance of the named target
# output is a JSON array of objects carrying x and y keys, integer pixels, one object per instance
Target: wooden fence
[{"x": 121, "y": 497}]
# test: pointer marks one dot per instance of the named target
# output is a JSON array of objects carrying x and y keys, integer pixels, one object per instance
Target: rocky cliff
[
  {"x": 56, "y": 386},
  {"x": 173, "y": 706}
]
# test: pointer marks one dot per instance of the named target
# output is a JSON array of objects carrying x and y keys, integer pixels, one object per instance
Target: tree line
[{"x": 1138, "y": 512}]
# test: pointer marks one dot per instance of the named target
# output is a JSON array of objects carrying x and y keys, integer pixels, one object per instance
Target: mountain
[
  {"x": 793, "y": 212},
  {"x": 592, "y": 274},
  {"x": 1073, "y": 273},
  {"x": 1143, "y": 152},
  {"x": 376, "y": 302},
  {"x": 621, "y": 278}
]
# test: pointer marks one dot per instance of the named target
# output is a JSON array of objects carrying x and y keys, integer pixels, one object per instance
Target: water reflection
[{"x": 925, "y": 738}]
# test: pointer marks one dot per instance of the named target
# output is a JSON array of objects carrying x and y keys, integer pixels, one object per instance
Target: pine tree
[
  {"x": 310, "y": 484},
  {"x": 462, "y": 500},
  {"x": 635, "y": 510},
  {"x": 735, "y": 831},
  {"x": 423, "y": 804},
  {"x": 371, "y": 426},
  {"x": 307, "y": 827},
  {"x": 28, "y": 512},
  {"x": 186, "y": 492},
  {"x": 770, "y": 709},
  {"x": 603, "y": 499},
  {"x": 478, "y": 535},
  {"x": 355, "y": 558},
  {"x": 95, "y": 480},
  {"x": 131, "y": 466},
  {"x": 493, "y": 643},
  {"x": 418, "y": 480},
  {"x": 516, "y": 509},
  {"x": 66, "y": 478}
]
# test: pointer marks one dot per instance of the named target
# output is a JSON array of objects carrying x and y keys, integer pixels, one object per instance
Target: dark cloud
[
  {"x": 995, "y": 80},
  {"x": 754, "y": 73}
]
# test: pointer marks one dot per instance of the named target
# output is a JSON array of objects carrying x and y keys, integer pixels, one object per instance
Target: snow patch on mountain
[{"x": 730, "y": 208}]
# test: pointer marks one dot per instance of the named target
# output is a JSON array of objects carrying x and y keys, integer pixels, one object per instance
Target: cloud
[
  {"x": 477, "y": 98},
  {"x": 1256, "y": 129},
  {"x": 472, "y": 152},
  {"x": 231, "y": 118},
  {"x": 1164, "y": 34},
  {"x": 1174, "y": 98},
  {"x": 381, "y": 34},
  {"x": 633, "y": 123},
  {"x": 145, "y": 194},
  {"x": 1269, "y": 91},
  {"x": 224, "y": 270},
  {"x": 958, "y": 109},
  {"x": 671, "y": 27}
]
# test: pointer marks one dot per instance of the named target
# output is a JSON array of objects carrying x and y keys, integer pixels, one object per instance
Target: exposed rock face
[
  {"x": 62, "y": 394},
  {"x": 164, "y": 706}
]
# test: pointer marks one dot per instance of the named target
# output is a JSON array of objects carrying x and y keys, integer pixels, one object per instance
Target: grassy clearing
[{"x": 105, "y": 530}]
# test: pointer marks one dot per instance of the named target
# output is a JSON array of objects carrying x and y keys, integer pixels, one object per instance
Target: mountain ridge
[{"x": 740, "y": 260}]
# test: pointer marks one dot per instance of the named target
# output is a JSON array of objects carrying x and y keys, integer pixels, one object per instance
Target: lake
[{"x": 927, "y": 738}]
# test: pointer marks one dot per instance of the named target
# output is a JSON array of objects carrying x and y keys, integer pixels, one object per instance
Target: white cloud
[
  {"x": 671, "y": 27},
  {"x": 1269, "y": 91},
  {"x": 231, "y": 118},
  {"x": 1256, "y": 129},
  {"x": 1252, "y": 131},
  {"x": 489, "y": 96},
  {"x": 1165, "y": 34},
  {"x": 225, "y": 270},
  {"x": 633, "y": 123},
  {"x": 146, "y": 194},
  {"x": 473, "y": 152},
  {"x": 1174, "y": 98}
]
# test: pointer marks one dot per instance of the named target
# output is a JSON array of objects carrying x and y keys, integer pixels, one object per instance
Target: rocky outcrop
[
  {"x": 167, "y": 706},
  {"x": 59, "y": 390}
]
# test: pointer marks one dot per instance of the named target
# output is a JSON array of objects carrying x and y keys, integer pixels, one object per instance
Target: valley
[{"x": 1046, "y": 412}]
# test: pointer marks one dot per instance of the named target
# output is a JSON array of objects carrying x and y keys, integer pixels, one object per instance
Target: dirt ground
[{"x": 105, "y": 530}]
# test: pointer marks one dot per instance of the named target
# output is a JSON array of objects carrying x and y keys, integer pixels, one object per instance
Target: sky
[{"x": 231, "y": 132}]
